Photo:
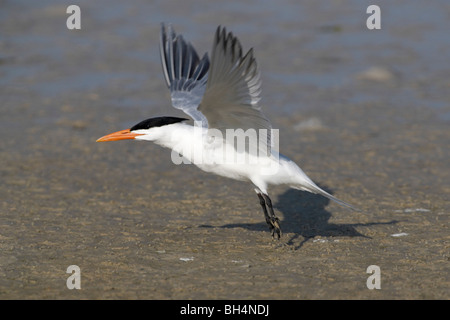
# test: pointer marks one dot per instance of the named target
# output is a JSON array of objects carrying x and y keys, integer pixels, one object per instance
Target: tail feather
[{"x": 312, "y": 187}]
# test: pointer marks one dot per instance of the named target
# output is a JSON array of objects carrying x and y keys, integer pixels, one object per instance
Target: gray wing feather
[
  {"x": 233, "y": 88},
  {"x": 185, "y": 74},
  {"x": 223, "y": 94}
]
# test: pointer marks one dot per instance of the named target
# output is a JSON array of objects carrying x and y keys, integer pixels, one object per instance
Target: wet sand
[{"x": 365, "y": 114}]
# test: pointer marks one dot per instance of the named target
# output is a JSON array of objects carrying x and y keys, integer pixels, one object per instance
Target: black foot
[
  {"x": 272, "y": 221},
  {"x": 274, "y": 225}
]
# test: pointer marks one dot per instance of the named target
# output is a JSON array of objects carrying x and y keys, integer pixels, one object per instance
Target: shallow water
[{"x": 365, "y": 113}]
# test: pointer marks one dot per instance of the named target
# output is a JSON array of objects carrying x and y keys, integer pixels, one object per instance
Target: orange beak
[{"x": 119, "y": 135}]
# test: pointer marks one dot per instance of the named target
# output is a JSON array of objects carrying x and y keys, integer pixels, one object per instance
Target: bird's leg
[
  {"x": 271, "y": 220},
  {"x": 262, "y": 202}
]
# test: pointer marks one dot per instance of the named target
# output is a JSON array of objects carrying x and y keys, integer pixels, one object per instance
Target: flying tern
[{"x": 221, "y": 95}]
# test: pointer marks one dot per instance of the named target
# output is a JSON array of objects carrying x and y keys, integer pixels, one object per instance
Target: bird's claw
[{"x": 274, "y": 224}]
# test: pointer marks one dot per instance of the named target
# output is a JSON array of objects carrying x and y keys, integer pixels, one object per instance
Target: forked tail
[{"x": 312, "y": 187}]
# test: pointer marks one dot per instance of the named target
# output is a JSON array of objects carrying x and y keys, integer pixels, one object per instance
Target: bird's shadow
[{"x": 304, "y": 215}]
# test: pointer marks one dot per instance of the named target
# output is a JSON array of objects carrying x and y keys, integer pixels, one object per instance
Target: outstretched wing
[
  {"x": 184, "y": 72},
  {"x": 233, "y": 89},
  {"x": 221, "y": 95}
]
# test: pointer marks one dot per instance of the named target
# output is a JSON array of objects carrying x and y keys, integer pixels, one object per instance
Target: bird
[{"x": 221, "y": 95}]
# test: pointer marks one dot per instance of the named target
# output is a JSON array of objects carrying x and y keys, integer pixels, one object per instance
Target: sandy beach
[{"x": 365, "y": 113}]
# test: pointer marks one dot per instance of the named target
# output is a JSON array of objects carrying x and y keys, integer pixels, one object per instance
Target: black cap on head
[{"x": 156, "y": 122}]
